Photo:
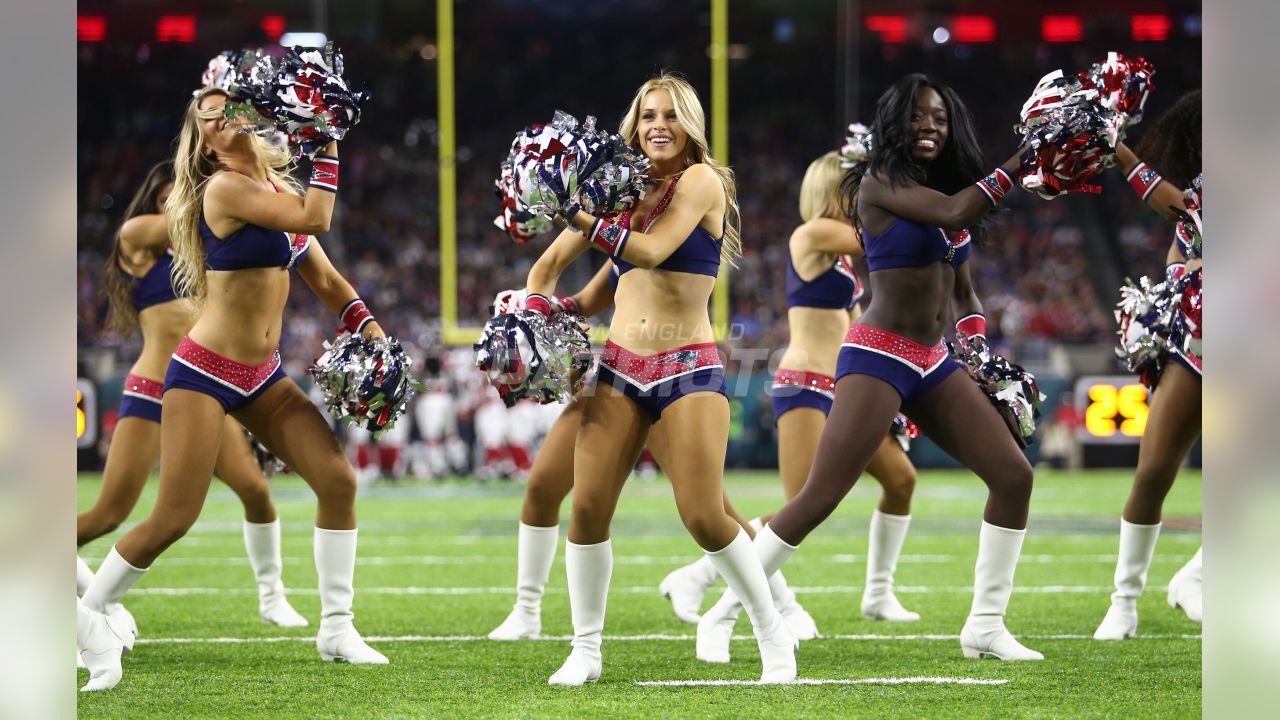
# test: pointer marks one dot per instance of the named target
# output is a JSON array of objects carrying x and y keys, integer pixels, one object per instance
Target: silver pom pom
[
  {"x": 366, "y": 382},
  {"x": 525, "y": 354}
]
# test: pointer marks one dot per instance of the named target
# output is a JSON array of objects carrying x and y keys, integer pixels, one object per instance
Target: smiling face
[
  {"x": 217, "y": 135},
  {"x": 661, "y": 136},
  {"x": 929, "y": 126}
]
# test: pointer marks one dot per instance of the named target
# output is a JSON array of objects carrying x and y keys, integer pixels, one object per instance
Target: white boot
[
  {"x": 338, "y": 639},
  {"x": 589, "y": 568},
  {"x": 716, "y": 626},
  {"x": 883, "y": 548},
  {"x": 686, "y": 586},
  {"x": 535, "y": 551},
  {"x": 262, "y": 542},
  {"x": 1186, "y": 589},
  {"x": 984, "y": 634},
  {"x": 103, "y": 628},
  {"x": 799, "y": 621},
  {"x": 741, "y": 569},
  {"x": 1137, "y": 545},
  {"x": 84, "y": 576}
]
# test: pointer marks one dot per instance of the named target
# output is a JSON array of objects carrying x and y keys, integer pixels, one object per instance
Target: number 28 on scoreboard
[{"x": 1114, "y": 408}]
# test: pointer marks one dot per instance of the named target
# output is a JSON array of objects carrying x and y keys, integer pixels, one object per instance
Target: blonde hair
[
  {"x": 820, "y": 189},
  {"x": 192, "y": 170},
  {"x": 694, "y": 122}
]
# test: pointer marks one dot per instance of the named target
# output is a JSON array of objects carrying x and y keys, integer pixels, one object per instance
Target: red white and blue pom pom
[
  {"x": 267, "y": 460},
  {"x": 553, "y": 166},
  {"x": 1011, "y": 389},
  {"x": 1190, "y": 228},
  {"x": 365, "y": 382},
  {"x": 526, "y": 354},
  {"x": 221, "y": 71},
  {"x": 1072, "y": 123},
  {"x": 857, "y": 146},
  {"x": 904, "y": 431},
  {"x": 302, "y": 94},
  {"x": 1157, "y": 319}
]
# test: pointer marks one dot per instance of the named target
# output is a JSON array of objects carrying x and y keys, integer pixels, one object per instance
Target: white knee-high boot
[
  {"x": 798, "y": 620},
  {"x": 104, "y": 629},
  {"x": 338, "y": 640},
  {"x": 589, "y": 568},
  {"x": 84, "y": 576},
  {"x": 742, "y": 571},
  {"x": 686, "y": 586},
  {"x": 984, "y": 633},
  {"x": 262, "y": 543},
  {"x": 716, "y": 627},
  {"x": 1137, "y": 546},
  {"x": 884, "y": 545},
  {"x": 1186, "y": 589},
  {"x": 535, "y": 551}
]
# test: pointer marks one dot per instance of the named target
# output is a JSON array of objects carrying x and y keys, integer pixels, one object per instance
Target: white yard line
[
  {"x": 672, "y": 560},
  {"x": 610, "y": 638},
  {"x": 635, "y": 590},
  {"x": 828, "y": 681}
]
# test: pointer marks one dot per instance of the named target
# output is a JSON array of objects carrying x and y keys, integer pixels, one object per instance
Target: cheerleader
[
  {"x": 660, "y": 374},
  {"x": 238, "y": 223},
  {"x": 1173, "y": 423},
  {"x": 142, "y": 298},
  {"x": 820, "y": 309},
  {"x": 917, "y": 184}
]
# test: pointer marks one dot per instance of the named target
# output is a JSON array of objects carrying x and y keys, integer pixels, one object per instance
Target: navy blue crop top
[
  {"x": 837, "y": 288},
  {"x": 698, "y": 254},
  {"x": 252, "y": 246},
  {"x": 156, "y": 286},
  {"x": 909, "y": 244}
]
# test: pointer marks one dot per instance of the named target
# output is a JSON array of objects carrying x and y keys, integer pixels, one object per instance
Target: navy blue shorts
[
  {"x": 911, "y": 368},
  {"x": 233, "y": 384},
  {"x": 801, "y": 389},
  {"x": 656, "y": 381},
  {"x": 141, "y": 398},
  {"x": 1192, "y": 363}
]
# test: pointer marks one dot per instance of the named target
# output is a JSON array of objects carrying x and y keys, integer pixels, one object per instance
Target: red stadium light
[
  {"x": 91, "y": 28},
  {"x": 973, "y": 29},
  {"x": 1061, "y": 28},
  {"x": 273, "y": 26},
  {"x": 1149, "y": 28},
  {"x": 890, "y": 28},
  {"x": 176, "y": 28}
]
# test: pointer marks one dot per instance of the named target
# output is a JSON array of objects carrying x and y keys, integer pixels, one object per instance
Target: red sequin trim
[
  {"x": 922, "y": 357},
  {"x": 141, "y": 387},
  {"x": 648, "y": 370},
  {"x": 241, "y": 377},
  {"x": 817, "y": 382}
]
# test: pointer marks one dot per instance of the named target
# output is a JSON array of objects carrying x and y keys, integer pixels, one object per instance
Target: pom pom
[
  {"x": 1190, "y": 227},
  {"x": 302, "y": 94},
  {"x": 1072, "y": 123},
  {"x": 904, "y": 431},
  {"x": 221, "y": 71},
  {"x": 365, "y": 382},
  {"x": 857, "y": 146},
  {"x": 267, "y": 460},
  {"x": 1157, "y": 319},
  {"x": 529, "y": 355},
  {"x": 1010, "y": 388},
  {"x": 553, "y": 166}
]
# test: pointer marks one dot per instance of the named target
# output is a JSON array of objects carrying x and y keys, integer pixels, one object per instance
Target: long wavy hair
[
  {"x": 694, "y": 123},
  {"x": 820, "y": 188},
  {"x": 959, "y": 165},
  {"x": 193, "y": 167},
  {"x": 117, "y": 286},
  {"x": 1173, "y": 146}
]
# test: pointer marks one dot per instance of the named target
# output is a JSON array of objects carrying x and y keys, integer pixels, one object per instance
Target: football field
[{"x": 436, "y": 572}]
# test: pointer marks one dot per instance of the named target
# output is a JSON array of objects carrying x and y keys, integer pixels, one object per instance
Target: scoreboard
[{"x": 1113, "y": 407}]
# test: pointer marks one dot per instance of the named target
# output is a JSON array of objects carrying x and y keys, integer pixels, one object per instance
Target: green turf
[{"x": 419, "y": 536}]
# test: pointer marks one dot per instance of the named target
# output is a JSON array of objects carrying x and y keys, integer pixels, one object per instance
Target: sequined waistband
[
  {"x": 817, "y": 382},
  {"x": 922, "y": 357},
  {"x": 142, "y": 387},
  {"x": 651, "y": 369},
  {"x": 237, "y": 375}
]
